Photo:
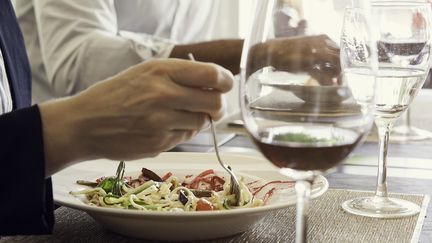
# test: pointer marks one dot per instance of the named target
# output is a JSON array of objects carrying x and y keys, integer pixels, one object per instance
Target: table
[{"x": 409, "y": 170}]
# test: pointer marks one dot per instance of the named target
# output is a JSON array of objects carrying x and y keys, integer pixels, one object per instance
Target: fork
[{"x": 234, "y": 184}]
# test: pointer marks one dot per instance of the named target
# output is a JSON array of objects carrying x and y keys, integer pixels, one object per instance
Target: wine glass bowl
[
  {"x": 296, "y": 104},
  {"x": 305, "y": 87},
  {"x": 324, "y": 95},
  {"x": 307, "y": 151}
]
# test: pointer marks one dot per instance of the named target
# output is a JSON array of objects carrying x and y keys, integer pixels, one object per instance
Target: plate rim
[{"x": 162, "y": 214}]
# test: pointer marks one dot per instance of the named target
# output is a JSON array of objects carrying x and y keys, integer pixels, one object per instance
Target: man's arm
[
  {"x": 27, "y": 204},
  {"x": 226, "y": 53},
  {"x": 81, "y": 43},
  {"x": 138, "y": 113}
]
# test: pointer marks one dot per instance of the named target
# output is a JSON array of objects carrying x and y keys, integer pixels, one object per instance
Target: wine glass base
[
  {"x": 406, "y": 134},
  {"x": 380, "y": 207}
]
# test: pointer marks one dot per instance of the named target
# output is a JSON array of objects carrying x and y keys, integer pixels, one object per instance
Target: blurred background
[{"x": 232, "y": 18}]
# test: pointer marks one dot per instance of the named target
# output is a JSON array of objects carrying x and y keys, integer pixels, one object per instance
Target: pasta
[{"x": 206, "y": 191}]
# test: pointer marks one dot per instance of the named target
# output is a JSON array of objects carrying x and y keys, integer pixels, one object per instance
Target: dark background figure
[{"x": 295, "y": 26}]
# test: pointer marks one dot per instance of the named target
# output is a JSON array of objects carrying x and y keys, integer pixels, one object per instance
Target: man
[
  {"x": 139, "y": 112},
  {"x": 73, "y": 44}
]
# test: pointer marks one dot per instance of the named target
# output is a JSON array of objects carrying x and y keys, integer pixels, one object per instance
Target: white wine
[{"x": 395, "y": 88}]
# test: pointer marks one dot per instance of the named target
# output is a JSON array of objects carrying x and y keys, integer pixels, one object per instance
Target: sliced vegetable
[
  {"x": 182, "y": 197},
  {"x": 256, "y": 190},
  {"x": 166, "y": 176},
  {"x": 107, "y": 184},
  {"x": 204, "y": 205},
  {"x": 201, "y": 193},
  {"x": 194, "y": 183},
  {"x": 111, "y": 199},
  {"x": 141, "y": 188},
  {"x": 87, "y": 183},
  {"x": 151, "y": 175},
  {"x": 226, "y": 204},
  {"x": 114, "y": 184}
]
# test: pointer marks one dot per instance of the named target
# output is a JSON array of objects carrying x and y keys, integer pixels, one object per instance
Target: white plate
[{"x": 177, "y": 225}]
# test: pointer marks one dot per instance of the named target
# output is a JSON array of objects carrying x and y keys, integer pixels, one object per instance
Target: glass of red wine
[{"x": 304, "y": 112}]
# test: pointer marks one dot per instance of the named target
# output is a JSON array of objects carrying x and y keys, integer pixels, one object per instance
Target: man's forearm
[
  {"x": 226, "y": 53},
  {"x": 64, "y": 141}
]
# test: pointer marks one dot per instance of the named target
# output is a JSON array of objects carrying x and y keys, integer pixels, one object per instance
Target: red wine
[{"x": 312, "y": 149}]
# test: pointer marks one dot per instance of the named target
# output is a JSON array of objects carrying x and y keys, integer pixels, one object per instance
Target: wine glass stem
[
  {"x": 303, "y": 194},
  {"x": 384, "y": 129},
  {"x": 408, "y": 119}
]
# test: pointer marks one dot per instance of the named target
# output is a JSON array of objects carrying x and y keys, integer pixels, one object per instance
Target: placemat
[{"x": 327, "y": 223}]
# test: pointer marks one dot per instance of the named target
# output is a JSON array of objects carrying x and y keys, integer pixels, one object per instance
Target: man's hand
[
  {"x": 145, "y": 110},
  {"x": 317, "y": 55},
  {"x": 226, "y": 52}
]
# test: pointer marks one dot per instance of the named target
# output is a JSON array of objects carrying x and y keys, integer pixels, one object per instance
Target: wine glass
[
  {"x": 404, "y": 60},
  {"x": 406, "y": 132},
  {"x": 297, "y": 105}
]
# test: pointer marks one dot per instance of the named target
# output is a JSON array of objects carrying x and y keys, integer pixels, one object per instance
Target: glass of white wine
[
  {"x": 406, "y": 132},
  {"x": 404, "y": 55}
]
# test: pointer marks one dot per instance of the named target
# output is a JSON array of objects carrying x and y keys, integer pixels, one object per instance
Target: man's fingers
[
  {"x": 201, "y": 75},
  {"x": 197, "y": 100},
  {"x": 185, "y": 120}
]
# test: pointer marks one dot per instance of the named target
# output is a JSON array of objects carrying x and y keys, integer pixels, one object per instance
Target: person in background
[
  {"x": 73, "y": 44},
  {"x": 295, "y": 27}
]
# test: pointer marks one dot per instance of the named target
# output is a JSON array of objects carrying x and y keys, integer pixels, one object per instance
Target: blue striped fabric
[{"x": 5, "y": 94}]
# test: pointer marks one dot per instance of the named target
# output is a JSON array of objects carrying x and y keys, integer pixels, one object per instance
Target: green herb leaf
[
  {"x": 107, "y": 184},
  {"x": 304, "y": 138}
]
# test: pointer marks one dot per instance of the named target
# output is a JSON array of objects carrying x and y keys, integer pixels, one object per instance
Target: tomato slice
[{"x": 204, "y": 205}]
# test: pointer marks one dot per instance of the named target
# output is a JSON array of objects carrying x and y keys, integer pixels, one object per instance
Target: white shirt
[
  {"x": 75, "y": 43},
  {"x": 5, "y": 94}
]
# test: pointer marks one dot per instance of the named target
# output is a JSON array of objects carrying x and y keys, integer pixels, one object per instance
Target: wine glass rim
[
  {"x": 394, "y": 3},
  {"x": 353, "y": 8}
]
